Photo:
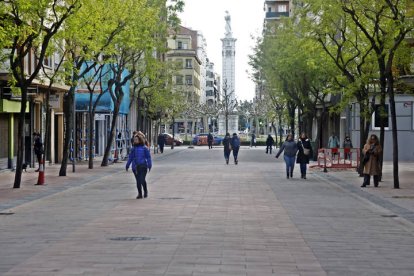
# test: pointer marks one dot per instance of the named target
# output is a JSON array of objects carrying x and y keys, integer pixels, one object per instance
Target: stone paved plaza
[{"x": 203, "y": 217}]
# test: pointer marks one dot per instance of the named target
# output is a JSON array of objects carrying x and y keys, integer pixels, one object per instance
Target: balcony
[{"x": 271, "y": 15}]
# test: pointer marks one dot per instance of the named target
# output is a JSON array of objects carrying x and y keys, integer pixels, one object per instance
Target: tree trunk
[
  {"x": 20, "y": 139},
  {"x": 46, "y": 143},
  {"x": 112, "y": 132},
  {"x": 91, "y": 123},
  {"x": 68, "y": 101},
  {"x": 394, "y": 132}
]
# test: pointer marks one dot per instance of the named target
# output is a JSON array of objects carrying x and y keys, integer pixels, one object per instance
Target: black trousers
[
  {"x": 367, "y": 179},
  {"x": 140, "y": 175},
  {"x": 269, "y": 148}
]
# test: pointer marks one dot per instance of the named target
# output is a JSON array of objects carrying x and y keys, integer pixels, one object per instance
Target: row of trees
[
  {"x": 339, "y": 48},
  {"x": 99, "y": 43}
]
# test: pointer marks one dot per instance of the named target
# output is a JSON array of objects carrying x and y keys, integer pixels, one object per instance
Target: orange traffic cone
[{"x": 41, "y": 178}]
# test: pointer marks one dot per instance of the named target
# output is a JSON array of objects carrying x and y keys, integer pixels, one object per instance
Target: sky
[{"x": 246, "y": 21}]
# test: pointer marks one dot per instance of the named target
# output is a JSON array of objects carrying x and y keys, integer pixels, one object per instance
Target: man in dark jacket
[
  {"x": 161, "y": 142},
  {"x": 38, "y": 147},
  {"x": 235, "y": 144},
  {"x": 269, "y": 143},
  {"x": 210, "y": 140}
]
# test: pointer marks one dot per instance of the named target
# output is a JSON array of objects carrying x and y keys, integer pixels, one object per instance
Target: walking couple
[
  {"x": 303, "y": 150},
  {"x": 231, "y": 144}
]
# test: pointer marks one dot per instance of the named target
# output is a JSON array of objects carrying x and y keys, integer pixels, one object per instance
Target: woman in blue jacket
[{"x": 140, "y": 158}]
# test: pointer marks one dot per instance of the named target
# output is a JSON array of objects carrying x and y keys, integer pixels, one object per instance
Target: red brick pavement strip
[
  {"x": 28, "y": 190},
  {"x": 10, "y": 197}
]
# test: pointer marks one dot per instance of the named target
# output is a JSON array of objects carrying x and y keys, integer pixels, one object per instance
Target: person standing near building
[
  {"x": 37, "y": 147},
  {"x": 347, "y": 145},
  {"x": 333, "y": 141},
  {"x": 372, "y": 152},
  {"x": 333, "y": 144},
  {"x": 161, "y": 142},
  {"x": 269, "y": 144},
  {"x": 235, "y": 144},
  {"x": 227, "y": 147},
  {"x": 140, "y": 158},
  {"x": 290, "y": 149},
  {"x": 210, "y": 140},
  {"x": 304, "y": 153}
]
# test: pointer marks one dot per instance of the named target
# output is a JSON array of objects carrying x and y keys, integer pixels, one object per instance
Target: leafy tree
[
  {"x": 89, "y": 38},
  {"x": 385, "y": 25},
  {"x": 27, "y": 27},
  {"x": 349, "y": 52}
]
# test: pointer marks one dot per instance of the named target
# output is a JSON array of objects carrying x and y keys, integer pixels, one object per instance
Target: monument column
[{"x": 228, "y": 93}]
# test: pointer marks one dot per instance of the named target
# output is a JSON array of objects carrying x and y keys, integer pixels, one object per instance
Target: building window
[
  {"x": 380, "y": 114},
  {"x": 189, "y": 79},
  {"x": 269, "y": 9},
  {"x": 180, "y": 63},
  {"x": 188, "y": 63},
  {"x": 47, "y": 61},
  {"x": 282, "y": 8},
  {"x": 179, "y": 45},
  {"x": 179, "y": 80}
]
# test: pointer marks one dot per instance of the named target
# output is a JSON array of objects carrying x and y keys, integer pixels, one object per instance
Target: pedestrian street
[{"x": 203, "y": 217}]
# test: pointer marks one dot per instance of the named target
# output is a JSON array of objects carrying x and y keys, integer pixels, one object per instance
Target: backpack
[{"x": 236, "y": 142}]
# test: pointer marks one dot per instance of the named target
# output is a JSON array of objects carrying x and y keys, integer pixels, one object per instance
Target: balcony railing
[{"x": 276, "y": 14}]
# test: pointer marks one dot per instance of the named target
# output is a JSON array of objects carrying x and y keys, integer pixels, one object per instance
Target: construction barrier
[{"x": 342, "y": 158}]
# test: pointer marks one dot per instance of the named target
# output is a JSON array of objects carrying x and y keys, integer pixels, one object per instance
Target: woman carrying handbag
[{"x": 304, "y": 154}]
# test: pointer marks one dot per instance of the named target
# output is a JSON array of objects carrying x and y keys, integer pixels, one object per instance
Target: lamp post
[{"x": 173, "y": 132}]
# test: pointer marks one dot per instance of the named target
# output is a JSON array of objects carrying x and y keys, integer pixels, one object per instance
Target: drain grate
[
  {"x": 6, "y": 214},
  {"x": 131, "y": 239},
  {"x": 170, "y": 198},
  {"x": 389, "y": 216}
]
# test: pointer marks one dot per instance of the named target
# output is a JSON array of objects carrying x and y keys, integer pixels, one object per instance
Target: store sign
[{"x": 99, "y": 117}]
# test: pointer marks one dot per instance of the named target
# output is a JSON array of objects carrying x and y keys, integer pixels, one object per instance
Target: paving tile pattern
[{"x": 202, "y": 217}]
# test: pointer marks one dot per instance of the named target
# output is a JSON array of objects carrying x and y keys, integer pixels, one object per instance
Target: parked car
[
  {"x": 201, "y": 139},
  {"x": 169, "y": 138}
]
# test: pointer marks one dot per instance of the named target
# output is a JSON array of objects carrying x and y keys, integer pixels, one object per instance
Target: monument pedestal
[{"x": 233, "y": 124}]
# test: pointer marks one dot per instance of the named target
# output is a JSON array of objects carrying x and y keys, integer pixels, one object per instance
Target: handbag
[
  {"x": 366, "y": 157},
  {"x": 306, "y": 151}
]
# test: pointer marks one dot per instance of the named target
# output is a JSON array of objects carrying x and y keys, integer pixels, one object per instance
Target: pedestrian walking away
[
  {"x": 140, "y": 158},
  {"x": 304, "y": 153},
  {"x": 269, "y": 144},
  {"x": 210, "y": 140},
  {"x": 235, "y": 144},
  {"x": 38, "y": 147},
  {"x": 372, "y": 152},
  {"x": 253, "y": 141},
  {"x": 290, "y": 148},
  {"x": 161, "y": 142},
  {"x": 227, "y": 147}
]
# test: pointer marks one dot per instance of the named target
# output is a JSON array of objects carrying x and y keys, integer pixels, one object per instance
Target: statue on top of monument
[{"x": 228, "y": 23}]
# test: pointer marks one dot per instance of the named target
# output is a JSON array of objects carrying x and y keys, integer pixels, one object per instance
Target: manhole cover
[
  {"x": 389, "y": 216},
  {"x": 6, "y": 214},
  {"x": 131, "y": 239},
  {"x": 171, "y": 198}
]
